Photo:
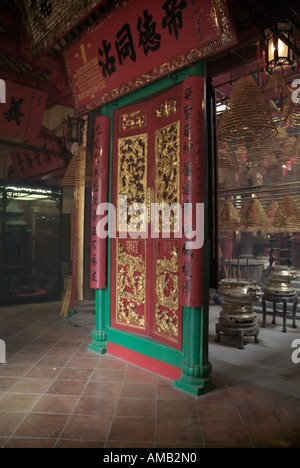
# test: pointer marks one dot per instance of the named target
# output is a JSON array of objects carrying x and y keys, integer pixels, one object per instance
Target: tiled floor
[{"x": 55, "y": 393}]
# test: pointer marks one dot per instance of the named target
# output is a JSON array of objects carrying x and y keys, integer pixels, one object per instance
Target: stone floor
[{"x": 56, "y": 393}]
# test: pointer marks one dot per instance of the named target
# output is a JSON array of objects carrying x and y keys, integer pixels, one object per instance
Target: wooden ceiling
[{"x": 47, "y": 72}]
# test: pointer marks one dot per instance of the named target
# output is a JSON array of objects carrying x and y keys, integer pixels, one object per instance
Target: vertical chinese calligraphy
[
  {"x": 99, "y": 196},
  {"x": 192, "y": 191},
  {"x": 14, "y": 112}
]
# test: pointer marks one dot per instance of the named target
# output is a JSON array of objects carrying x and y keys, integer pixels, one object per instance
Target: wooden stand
[{"x": 277, "y": 299}]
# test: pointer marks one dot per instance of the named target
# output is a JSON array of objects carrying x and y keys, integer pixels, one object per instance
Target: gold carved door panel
[{"x": 145, "y": 253}]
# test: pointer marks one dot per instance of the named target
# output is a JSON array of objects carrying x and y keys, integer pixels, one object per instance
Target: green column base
[
  {"x": 195, "y": 385},
  {"x": 99, "y": 343},
  {"x": 195, "y": 379}
]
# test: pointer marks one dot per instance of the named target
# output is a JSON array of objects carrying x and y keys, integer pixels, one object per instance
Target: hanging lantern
[
  {"x": 75, "y": 129},
  {"x": 278, "y": 52}
]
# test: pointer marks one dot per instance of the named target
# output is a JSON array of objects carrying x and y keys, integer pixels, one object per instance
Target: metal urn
[
  {"x": 237, "y": 317},
  {"x": 279, "y": 289},
  {"x": 280, "y": 279}
]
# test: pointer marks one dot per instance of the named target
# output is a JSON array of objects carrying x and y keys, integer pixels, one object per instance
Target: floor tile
[
  {"x": 109, "y": 362},
  {"x": 257, "y": 410},
  {"x": 56, "y": 404},
  {"x": 17, "y": 403},
  {"x": 228, "y": 433},
  {"x": 178, "y": 430},
  {"x": 67, "y": 387},
  {"x": 53, "y": 361},
  {"x": 25, "y": 359},
  {"x": 176, "y": 409},
  {"x": 9, "y": 423},
  {"x": 41, "y": 372},
  {"x": 10, "y": 370},
  {"x": 136, "y": 407},
  {"x": 88, "y": 400},
  {"x": 128, "y": 445},
  {"x": 3, "y": 440},
  {"x": 25, "y": 442},
  {"x": 138, "y": 390},
  {"x": 108, "y": 375},
  {"x": 96, "y": 405},
  {"x": 140, "y": 376},
  {"x": 94, "y": 427},
  {"x": 7, "y": 382},
  {"x": 132, "y": 429},
  {"x": 168, "y": 392},
  {"x": 219, "y": 409},
  {"x": 68, "y": 373},
  {"x": 25, "y": 385},
  {"x": 83, "y": 363},
  {"x": 249, "y": 393},
  {"x": 70, "y": 443},
  {"x": 272, "y": 434},
  {"x": 42, "y": 425},
  {"x": 103, "y": 389}
]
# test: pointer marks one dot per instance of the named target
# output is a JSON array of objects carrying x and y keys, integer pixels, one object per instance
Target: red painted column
[
  {"x": 98, "y": 266},
  {"x": 192, "y": 191}
]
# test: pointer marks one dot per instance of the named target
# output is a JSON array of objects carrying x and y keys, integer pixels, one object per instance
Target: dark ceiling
[{"x": 47, "y": 72}]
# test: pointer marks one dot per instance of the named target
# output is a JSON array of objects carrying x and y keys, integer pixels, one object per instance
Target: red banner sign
[
  {"x": 21, "y": 116},
  {"x": 41, "y": 160},
  {"x": 142, "y": 42}
]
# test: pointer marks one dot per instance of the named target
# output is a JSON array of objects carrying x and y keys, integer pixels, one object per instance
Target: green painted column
[
  {"x": 99, "y": 335},
  {"x": 195, "y": 367}
]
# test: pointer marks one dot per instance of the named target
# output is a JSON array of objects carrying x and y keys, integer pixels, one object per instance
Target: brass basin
[
  {"x": 239, "y": 292},
  {"x": 280, "y": 274},
  {"x": 279, "y": 280}
]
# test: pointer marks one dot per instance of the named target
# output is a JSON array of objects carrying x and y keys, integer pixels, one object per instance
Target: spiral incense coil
[
  {"x": 228, "y": 217},
  {"x": 287, "y": 216},
  {"x": 226, "y": 158},
  {"x": 248, "y": 116},
  {"x": 253, "y": 216}
]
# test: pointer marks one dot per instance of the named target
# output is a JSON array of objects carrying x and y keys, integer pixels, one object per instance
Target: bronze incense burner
[{"x": 237, "y": 317}]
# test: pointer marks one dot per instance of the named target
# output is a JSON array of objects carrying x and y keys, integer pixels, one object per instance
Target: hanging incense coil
[
  {"x": 295, "y": 153},
  {"x": 287, "y": 149},
  {"x": 226, "y": 157},
  {"x": 253, "y": 217},
  {"x": 291, "y": 112},
  {"x": 241, "y": 153},
  {"x": 287, "y": 216},
  {"x": 270, "y": 211},
  {"x": 263, "y": 153},
  {"x": 229, "y": 219},
  {"x": 248, "y": 116}
]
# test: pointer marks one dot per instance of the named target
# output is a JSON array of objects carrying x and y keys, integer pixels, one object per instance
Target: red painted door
[{"x": 145, "y": 253}]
